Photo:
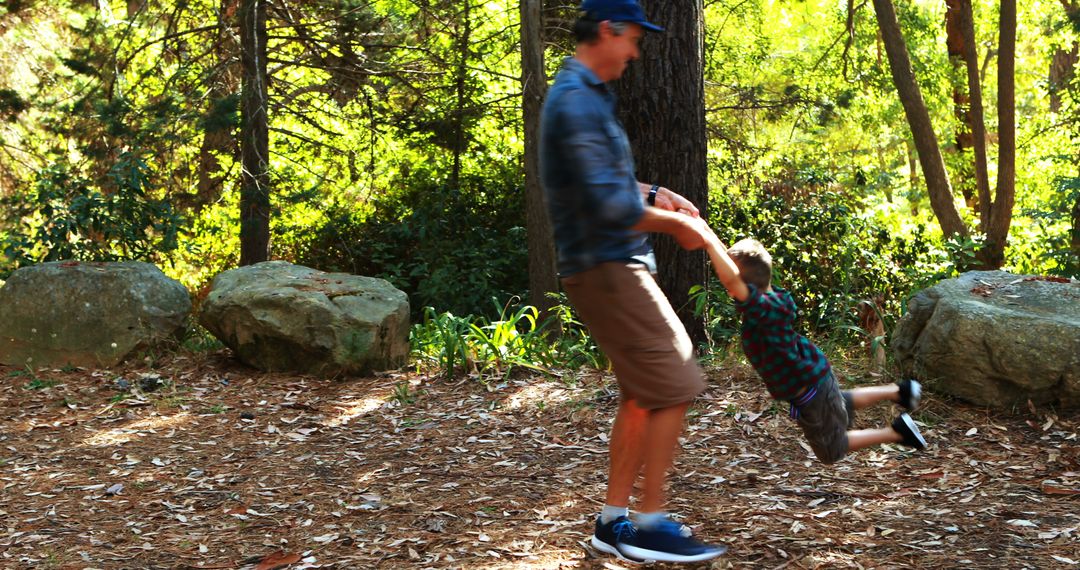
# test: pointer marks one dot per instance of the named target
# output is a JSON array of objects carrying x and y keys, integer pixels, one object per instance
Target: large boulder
[
  {"x": 87, "y": 313},
  {"x": 995, "y": 339},
  {"x": 277, "y": 316}
]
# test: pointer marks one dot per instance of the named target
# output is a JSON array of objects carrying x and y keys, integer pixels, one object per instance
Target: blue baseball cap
[{"x": 618, "y": 11}]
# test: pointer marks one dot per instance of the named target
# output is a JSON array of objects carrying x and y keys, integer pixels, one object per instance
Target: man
[{"x": 601, "y": 216}]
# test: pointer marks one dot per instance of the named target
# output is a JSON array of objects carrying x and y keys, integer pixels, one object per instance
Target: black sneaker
[
  {"x": 905, "y": 426},
  {"x": 667, "y": 542},
  {"x": 606, "y": 537},
  {"x": 910, "y": 394}
]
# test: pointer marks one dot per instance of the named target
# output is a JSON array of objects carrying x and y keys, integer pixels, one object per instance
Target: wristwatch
[{"x": 652, "y": 194}]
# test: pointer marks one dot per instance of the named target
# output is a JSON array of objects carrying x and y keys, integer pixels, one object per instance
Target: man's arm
[{"x": 691, "y": 233}]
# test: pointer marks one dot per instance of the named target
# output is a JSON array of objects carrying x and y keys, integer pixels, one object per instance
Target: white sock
[
  {"x": 610, "y": 513},
  {"x": 649, "y": 520}
]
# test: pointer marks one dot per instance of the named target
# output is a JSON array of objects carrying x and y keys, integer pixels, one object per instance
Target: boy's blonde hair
[{"x": 753, "y": 261}]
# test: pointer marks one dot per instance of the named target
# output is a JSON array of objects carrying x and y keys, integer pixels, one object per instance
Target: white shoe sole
[
  {"x": 609, "y": 549},
  {"x": 657, "y": 556}
]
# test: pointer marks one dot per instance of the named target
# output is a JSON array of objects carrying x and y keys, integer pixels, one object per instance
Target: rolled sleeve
[{"x": 600, "y": 153}]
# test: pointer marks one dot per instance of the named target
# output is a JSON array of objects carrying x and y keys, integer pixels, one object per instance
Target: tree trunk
[
  {"x": 922, "y": 131},
  {"x": 992, "y": 254},
  {"x": 461, "y": 76},
  {"x": 978, "y": 121},
  {"x": 1063, "y": 63},
  {"x": 956, "y": 41},
  {"x": 662, "y": 107},
  {"x": 1075, "y": 234},
  {"x": 254, "y": 136},
  {"x": 1062, "y": 71},
  {"x": 218, "y": 138},
  {"x": 541, "y": 246}
]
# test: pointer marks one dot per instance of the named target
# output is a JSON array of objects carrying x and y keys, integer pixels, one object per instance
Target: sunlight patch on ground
[
  {"x": 130, "y": 431},
  {"x": 538, "y": 395},
  {"x": 550, "y": 561},
  {"x": 353, "y": 410}
]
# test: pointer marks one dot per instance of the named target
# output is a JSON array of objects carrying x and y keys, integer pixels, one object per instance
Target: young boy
[{"x": 795, "y": 370}]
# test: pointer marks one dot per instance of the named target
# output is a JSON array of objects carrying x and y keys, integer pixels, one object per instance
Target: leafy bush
[
  {"x": 450, "y": 249},
  {"x": 824, "y": 252},
  {"x": 67, "y": 216}
]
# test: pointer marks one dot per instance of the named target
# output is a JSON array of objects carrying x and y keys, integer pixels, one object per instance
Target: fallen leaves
[{"x": 280, "y": 471}]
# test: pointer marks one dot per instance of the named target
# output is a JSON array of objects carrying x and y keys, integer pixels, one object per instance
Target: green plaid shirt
[{"x": 785, "y": 360}]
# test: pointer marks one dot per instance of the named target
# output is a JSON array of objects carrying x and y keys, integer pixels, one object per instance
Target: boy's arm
[{"x": 726, "y": 270}]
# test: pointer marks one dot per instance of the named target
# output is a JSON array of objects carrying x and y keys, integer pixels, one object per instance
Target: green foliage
[
  {"x": 494, "y": 348},
  {"x": 828, "y": 256},
  {"x": 452, "y": 249},
  {"x": 67, "y": 216}
]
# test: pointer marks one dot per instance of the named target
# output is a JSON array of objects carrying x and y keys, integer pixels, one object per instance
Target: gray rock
[
  {"x": 995, "y": 339},
  {"x": 277, "y": 316},
  {"x": 88, "y": 314}
]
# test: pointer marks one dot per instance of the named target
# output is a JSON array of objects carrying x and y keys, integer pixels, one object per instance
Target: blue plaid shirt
[{"x": 587, "y": 172}]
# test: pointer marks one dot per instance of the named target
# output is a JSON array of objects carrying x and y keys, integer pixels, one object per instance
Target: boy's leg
[
  {"x": 866, "y": 396},
  {"x": 903, "y": 431},
  {"x": 907, "y": 393},
  {"x": 863, "y": 438}
]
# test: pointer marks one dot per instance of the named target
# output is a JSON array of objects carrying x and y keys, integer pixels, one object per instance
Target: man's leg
[
  {"x": 661, "y": 440},
  {"x": 626, "y": 451}
]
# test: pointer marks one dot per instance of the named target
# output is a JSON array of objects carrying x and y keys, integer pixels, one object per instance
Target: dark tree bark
[
  {"x": 926, "y": 143},
  {"x": 254, "y": 136},
  {"x": 662, "y": 107},
  {"x": 977, "y": 122},
  {"x": 999, "y": 217},
  {"x": 541, "y": 245},
  {"x": 955, "y": 41},
  {"x": 1063, "y": 63},
  {"x": 218, "y": 138},
  {"x": 461, "y": 94}
]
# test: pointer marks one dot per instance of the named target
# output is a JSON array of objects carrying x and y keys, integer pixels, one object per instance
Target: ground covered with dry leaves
[{"x": 198, "y": 462}]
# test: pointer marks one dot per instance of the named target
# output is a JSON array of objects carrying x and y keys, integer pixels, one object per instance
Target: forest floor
[{"x": 199, "y": 462}]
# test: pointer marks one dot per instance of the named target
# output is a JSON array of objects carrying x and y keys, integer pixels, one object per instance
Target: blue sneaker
[
  {"x": 606, "y": 537},
  {"x": 667, "y": 542}
]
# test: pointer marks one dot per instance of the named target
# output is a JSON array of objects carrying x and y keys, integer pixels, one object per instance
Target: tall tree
[
  {"x": 962, "y": 46},
  {"x": 541, "y": 246},
  {"x": 218, "y": 134},
  {"x": 995, "y": 212},
  {"x": 996, "y": 217},
  {"x": 922, "y": 130},
  {"x": 255, "y": 136},
  {"x": 662, "y": 106},
  {"x": 1063, "y": 64}
]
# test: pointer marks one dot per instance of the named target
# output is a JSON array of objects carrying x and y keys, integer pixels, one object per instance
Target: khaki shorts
[
  {"x": 826, "y": 420},
  {"x": 633, "y": 323}
]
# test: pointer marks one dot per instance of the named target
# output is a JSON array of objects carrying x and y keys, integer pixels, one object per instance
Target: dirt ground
[{"x": 198, "y": 462}]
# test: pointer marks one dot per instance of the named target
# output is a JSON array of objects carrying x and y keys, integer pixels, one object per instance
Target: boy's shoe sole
[{"x": 905, "y": 426}]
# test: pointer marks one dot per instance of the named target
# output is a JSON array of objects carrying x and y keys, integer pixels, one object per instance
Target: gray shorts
[{"x": 826, "y": 419}]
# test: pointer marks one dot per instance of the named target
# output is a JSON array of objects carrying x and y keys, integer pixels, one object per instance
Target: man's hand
[{"x": 670, "y": 201}]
